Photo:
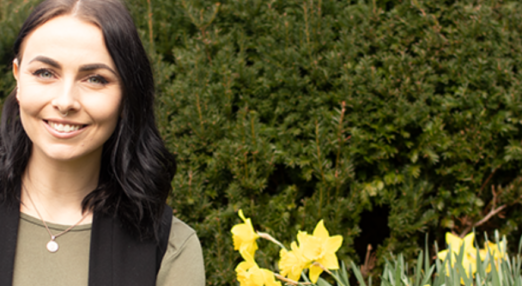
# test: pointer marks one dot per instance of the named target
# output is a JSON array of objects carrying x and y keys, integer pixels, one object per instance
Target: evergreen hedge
[{"x": 388, "y": 119}]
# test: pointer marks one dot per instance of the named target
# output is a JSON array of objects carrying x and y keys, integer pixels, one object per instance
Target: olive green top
[{"x": 35, "y": 265}]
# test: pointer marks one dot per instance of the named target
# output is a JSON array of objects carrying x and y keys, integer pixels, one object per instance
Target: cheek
[
  {"x": 32, "y": 96},
  {"x": 104, "y": 110},
  {"x": 30, "y": 104}
]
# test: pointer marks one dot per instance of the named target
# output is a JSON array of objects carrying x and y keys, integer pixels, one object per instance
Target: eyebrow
[
  {"x": 92, "y": 67},
  {"x": 84, "y": 68},
  {"x": 47, "y": 60}
]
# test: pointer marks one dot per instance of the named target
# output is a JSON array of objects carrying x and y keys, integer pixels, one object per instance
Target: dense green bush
[
  {"x": 12, "y": 15},
  {"x": 301, "y": 110}
]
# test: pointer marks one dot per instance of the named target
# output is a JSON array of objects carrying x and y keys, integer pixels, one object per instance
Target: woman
[{"x": 84, "y": 172}]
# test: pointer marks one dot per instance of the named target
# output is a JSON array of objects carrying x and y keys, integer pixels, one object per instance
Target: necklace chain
[{"x": 52, "y": 245}]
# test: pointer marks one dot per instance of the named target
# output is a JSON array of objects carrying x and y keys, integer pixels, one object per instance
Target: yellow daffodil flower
[
  {"x": 292, "y": 262},
  {"x": 244, "y": 236},
  {"x": 493, "y": 248},
  {"x": 249, "y": 273},
  {"x": 469, "y": 259},
  {"x": 320, "y": 248},
  {"x": 498, "y": 253}
]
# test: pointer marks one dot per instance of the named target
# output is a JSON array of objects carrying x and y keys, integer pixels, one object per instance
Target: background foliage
[{"x": 387, "y": 118}]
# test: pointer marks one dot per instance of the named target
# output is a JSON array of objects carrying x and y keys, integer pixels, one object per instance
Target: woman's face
[{"x": 68, "y": 89}]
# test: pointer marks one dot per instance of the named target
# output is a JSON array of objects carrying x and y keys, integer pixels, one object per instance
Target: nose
[{"x": 66, "y": 100}]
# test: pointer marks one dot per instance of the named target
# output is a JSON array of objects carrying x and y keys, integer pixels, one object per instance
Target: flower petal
[
  {"x": 301, "y": 236},
  {"x": 257, "y": 277},
  {"x": 468, "y": 242},
  {"x": 442, "y": 254},
  {"x": 243, "y": 266},
  {"x": 244, "y": 236},
  {"x": 311, "y": 246},
  {"x": 334, "y": 243},
  {"x": 269, "y": 278},
  {"x": 329, "y": 261},
  {"x": 292, "y": 262},
  {"x": 320, "y": 231},
  {"x": 248, "y": 256},
  {"x": 315, "y": 271},
  {"x": 241, "y": 215},
  {"x": 454, "y": 242}
]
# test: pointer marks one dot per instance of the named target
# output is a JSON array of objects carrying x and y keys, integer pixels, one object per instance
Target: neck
[{"x": 58, "y": 188}]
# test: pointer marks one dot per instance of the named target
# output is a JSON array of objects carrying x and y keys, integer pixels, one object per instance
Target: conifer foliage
[{"x": 302, "y": 110}]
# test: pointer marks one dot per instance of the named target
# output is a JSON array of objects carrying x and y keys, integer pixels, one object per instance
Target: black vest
[{"x": 115, "y": 258}]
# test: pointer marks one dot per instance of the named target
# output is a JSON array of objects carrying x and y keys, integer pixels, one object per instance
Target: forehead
[{"x": 68, "y": 40}]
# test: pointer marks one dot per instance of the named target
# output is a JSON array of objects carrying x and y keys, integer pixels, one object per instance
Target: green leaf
[
  {"x": 344, "y": 274},
  {"x": 322, "y": 282},
  {"x": 418, "y": 269},
  {"x": 358, "y": 274}
]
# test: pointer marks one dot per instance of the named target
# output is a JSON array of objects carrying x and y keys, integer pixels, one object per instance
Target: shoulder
[
  {"x": 180, "y": 235},
  {"x": 183, "y": 260}
]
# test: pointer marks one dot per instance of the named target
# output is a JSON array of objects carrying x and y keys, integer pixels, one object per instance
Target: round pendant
[{"x": 52, "y": 246}]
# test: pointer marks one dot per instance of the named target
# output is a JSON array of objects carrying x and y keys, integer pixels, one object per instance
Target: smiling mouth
[{"x": 64, "y": 128}]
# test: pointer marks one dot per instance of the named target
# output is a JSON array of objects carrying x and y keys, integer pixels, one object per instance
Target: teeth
[{"x": 64, "y": 128}]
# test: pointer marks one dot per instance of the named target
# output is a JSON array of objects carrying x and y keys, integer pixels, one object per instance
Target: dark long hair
[{"x": 136, "y": 168}]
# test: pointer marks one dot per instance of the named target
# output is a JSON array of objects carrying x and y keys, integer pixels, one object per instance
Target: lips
[{"x": 64, "y": 127}]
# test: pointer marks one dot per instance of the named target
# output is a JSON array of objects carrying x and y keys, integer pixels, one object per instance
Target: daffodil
[
  {"x": 497, "y": 253},
  {"x": 293, "y": 262},
  {"x": 493, "y": 248},
  {"x": 320, "y": 248},
  {"x": 469, "y": 258},
  {"x": 250, "y": 274},
  {"x": 244, "y": 236},
  {"x": 455, "y": 243}
]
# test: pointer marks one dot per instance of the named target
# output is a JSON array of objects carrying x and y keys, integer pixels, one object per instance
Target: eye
[
  {"x": 44, "y": 74},
  {"x": 97, "y": 79}
]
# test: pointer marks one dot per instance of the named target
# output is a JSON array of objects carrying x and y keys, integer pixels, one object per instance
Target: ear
[{"x": 16, "y": 69}]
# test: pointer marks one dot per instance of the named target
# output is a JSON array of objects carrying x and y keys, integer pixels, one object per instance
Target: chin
[{"x": 64, "y": 154}]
